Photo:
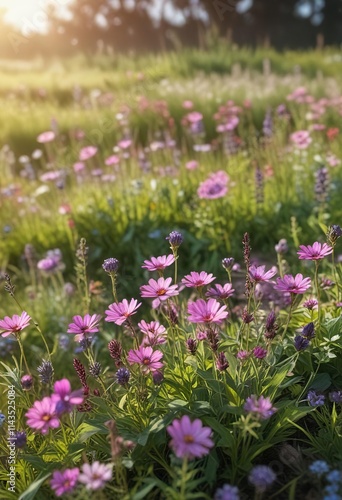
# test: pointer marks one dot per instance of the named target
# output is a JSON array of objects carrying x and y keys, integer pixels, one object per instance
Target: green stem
[
  {"x": 183, "y": 479},
  {"x": 22, "y": 355}
]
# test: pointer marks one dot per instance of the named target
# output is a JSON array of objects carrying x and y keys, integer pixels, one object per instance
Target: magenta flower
[
  {"x": 189, "y": 438},
  {"x": 112, "y": 160},
  {"x": 95, "y": 476},
  {"x": 64, "y": 398},
  {"x": 154, "y": 333},
  {"x": 119, "y": 312},
  {"x": 315, "y": 252},
  {"x": 215, "y": 186},
  {"x": 45, "y": 137},
  {"x": 64, "y": 481},
  {"x": 15, "y": 324},
  {"x": 160, "y": 289},
  {"x": 43, "y": 415},
  {"x": 261, "y": 407},
  {"x": 259, "y": 352},
  {"x": 196, "y": 280},
  {"x": 201, "y": 311},
  {"x": 257, "y": 273},
  {"x": 221, "y": 292},
  {"x": 147, "y": 358},
  {"x": 87, "y": 153},
  {"x": 301, "y": 139},
  {"x": 242, "y": 355},
  {"x": 293, "y": 284},
  {"x": 82, "y": 326},
  {"x": 158, "y": 263}
]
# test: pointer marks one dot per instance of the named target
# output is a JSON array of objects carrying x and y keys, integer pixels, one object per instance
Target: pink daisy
[
  {"x": 196, "y": 280},
  {"x": 154, "y": 333},
  {"x": 201, "y": 311},
  {"x": 112, "y": 160},
  {"x": 160, "y": 290},
  {"x": 257, "y": 273},
  {"x": 293, "y": 284},
  {"x": 64, "y": 481},
  {"x": 64, "y": 397},
  {"x": 87, "y": 153},
  {"x": 301, "y": 139},
  {"x": 45, "y": 137},
  {"x": 15, "y": 324},
  {"x": 147, "y": 358},
  {"x": 315, "y": 252},
  {"x": 43, "y": 415},
  {"x": 189, "y": 438},
  {"x": 119, "y": 312},
  {"x": 95, "y": 476},
  {"x": 158, "y": 263},
  {"x": 82, "y": 326},
  {"x": 221, "y": 292}
]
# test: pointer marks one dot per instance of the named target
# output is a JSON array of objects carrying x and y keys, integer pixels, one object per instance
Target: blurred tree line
[{"x": 151, "y": 25}]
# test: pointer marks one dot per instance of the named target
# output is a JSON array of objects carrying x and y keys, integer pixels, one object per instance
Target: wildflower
[
  {"x": 227, "y": 263},
  {"x": 45, "y": 137},
  {"x": 321, "y": 185},
  {"x": 122, "y": 376},
  {"x": 82, "y": 326},
  {"x": 20, "y": 439},
  {"x": 201, "y": 311},
  {"x": 80, "y": 370},
  {"x": 191, "y": 345},
  {"x": 191, "y": 165},
  {"x": 189, "y": 438},
  {"x": 221, "y": 292},
  {"x": 259, "y": 352},
  {"x": 158, "y": 263},
  {"x": 15, "y": 324},
  {"x": 147, "y": 358},
  {"x": 154, "y": 333},
  {"x": 215, "y": 186},
  {"x": 196, "y": 280},
  {"x": 301, "y": 139},
  {"x": 115, "y": 350},
  {"x": 309, "y": 331},
  {"x": 157, "y": 377},
  {"x": 26, "y": 382},
  {"x": 247, "y": 317},
  {"x": 335, "y": 396},
  {"x": 175, "y": 239},
  {"x": 110, "y": 265},
  {"x": 95, "y": 369},
  {"x": 257, "y": 273},
  {"x": 87, "y": 153},
  {"x": 282, "y": 247},
  {"x": 310, "y": 304},
  {"x": 222, "y": 362},
  {"x": 271, "y": 326},
  {"x": 119, "y": 312},
  {"x": 301, "y": 343},
  {"x": 315, "y": 399},
  {"x": 2, "y": 419},
  {"x": 262, "y": 477},
  {"x": 326, "y": 283},
  {"x": 95, "y": 476},
  {"x": 267, "y": 126},
  {"x": 64, "y": 397},
  {"x": 334, "y": 476},
  {"x": 45, "y": 371},
  {"x": 43, "y": 415},
  {"x": 64, "y": 481},
  {"x": 319, "y": 467},
  {"x": 260, "y": 407},
  {"x": 242, "y": 355},
  {"x": 315, "y": 252},
  {"x": 52, "y": 262},
  {"x": 227, "y": 492},
  {"x": 293, "y": 284},
  {"x": 334, "y": 232},
  {"x": 160, "y": 290}
]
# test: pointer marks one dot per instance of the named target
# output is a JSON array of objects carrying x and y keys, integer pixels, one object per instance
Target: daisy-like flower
[
  {"x": 189, "y": 438},
  {"x": 201, "y": 311},
  {"x": 301, "y": 139},
  {"x": 160, "y": 290},
  {"x": 45, "y": 137},
  {"x": 87, "y": 152},
  {"x": 43, "y": 415},
  {"x": 257, "y": 273},
  {"x": 82, "y": 326},
  {"x": 154, "y": 333},
  {"x": 261, "y": 407},
  {"x": 15, "y": 324},
  {"x": 195, "y": 280},
  {"x": 317, "y": 251},
  {"x": 221, "y": 292},
  {"x": 293, "y": 284},
  {"x": 64, "y": 481},
  {"x": 95, "y": 476},
  {"x": 64, "y": 398},
  {"x": 158, "y": 263},
  {"x": 147, "y": 358},
  {"x": 119, "y": 312}
]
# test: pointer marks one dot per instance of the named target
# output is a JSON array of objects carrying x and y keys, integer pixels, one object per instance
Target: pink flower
[
  {"x": 47, "y": 136},
  {"x": 154, "y": 333},
  {"x": 158, "y": 263},
  {"x": 315, "y": 252},
  {"x": 291, "y": 284},
  {"x": 43, "y": 415},
  {"x": 64, "y": 398},
  {"x": 261, "y": 407},
  {"x": 242, "y": 355},
  {"x": 191, "y": 165},
  {"x": 259, "y": 352},
  {"x": 124, "y": 143},
  {"x": 194, "y": 117},
  {"x": 189, "y": 438},
  {"x": 95, "y": 476},
  {"x": 87, "y": 153},
  {"x": 221, "y": 292},
  {"x": 78, "y": 167},
  {"x": 119, "y": 312},
  {"x": 112, "y": 160},
  {"x": 196, "y": 280},
  {"x": 187, "y": 104},
  {"x": 215, "y": 186},
  {"x": 301, "y": 139},
  {"x": 15, "y": 324},
  {"x": 82, "y": 326},
  {"x": 64, "y": 481},
  {"x": 160, "y": 290},
  {"x": 201, "y": 311},
  {"x": 147, "y": 358},
  {"x": 257, "y": 273}
]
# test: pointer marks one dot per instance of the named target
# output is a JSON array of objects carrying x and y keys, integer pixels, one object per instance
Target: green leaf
[
  {"x": 31, "y": 491},
  {"x": 87, "y": 430},
  {"x": 321, "y": 382}
]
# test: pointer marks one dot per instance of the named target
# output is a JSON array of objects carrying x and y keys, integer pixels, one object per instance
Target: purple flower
[
  {"x": 315, "y": 252},
  {"x": 154, "y": 333},
  {"x": 189, "y": 438},
  {"x": 196, "y": 280},
  {"x": 293, "y": 284},
  {"x": 158, "y": 263},
  {"x": 95, "y": 476},
  {"x": 191, "y": 345},
  {"x": 20, "y": 439},
  {"x": 315, "y": 399},
  {"x": 227, "y": 492},
  {"x": 261, "y": 407},
  {"x": 310, "y": 304},
  {"x": 259, "y": 352},
  {"x": 175, "y": 239},
  {"x": 82, "y": 326},
  {"x": 257, "y": 273},
  {"x": 335, "y": 396},
  {"x": 201, "y": 311},
  {"x": 227, "y": 263},
  {"x": 26, "y": 382},
  {"x": 282, "y": 247},
  {"x": 122, "y": 376},
  {"x": 64, "y": 481},
  {"x": 119, "y": 312},
  {"x": 64, "y": 398},
  {"x": 15, "y": 324},
  {"x": 110, "y": 265},
  {"x": 220, "y": 292},
  {"x": 222, "y": 362},
  {"x": 147, "y": 358},
  {"x": 262, "y": 477},
  {"x": 43, "y": 415},
  {"x": 309, "y": 331},
  {"x": 214, "y": 187},
  {"x": 301, "y": 343},
  {"x": 160, "y": 290}
]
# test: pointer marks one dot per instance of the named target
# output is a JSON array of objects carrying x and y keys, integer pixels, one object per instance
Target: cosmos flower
[
  {"x": 261, "y": 406},
  {"x": 201, "y": 311},
  {"x": 301, "y": 139},
  {"x": 64, "y": 398},
  {"x": 64, "y": 481},
  {"x": 258, "y": 274},
  {"x": 147, "y": 358},
  {"x": 189, "y": 438},
  {"x": 82, "y": 326},
  {"x": 119, "y": 312},
  {"x": 95, "y": 476},
  {"x": 315, "y": 252},
  {"x": 160, "y": 289},
  {"x": 45, "y": 137},
  {"x": 158, "y": 263},
  {"x": 293, "y": 284},
  {"x": 154, "y": 333},
  {"x": 15, "y": 324},
  {"x": 215, "y": 186},
  {"x": 42, "y": 416},
  {"x": 87, "y": 153},
  {"x": 196, "y": 280}
]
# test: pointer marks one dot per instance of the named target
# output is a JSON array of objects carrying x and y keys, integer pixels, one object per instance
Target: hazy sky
[{"x": 24, "y": 12}]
